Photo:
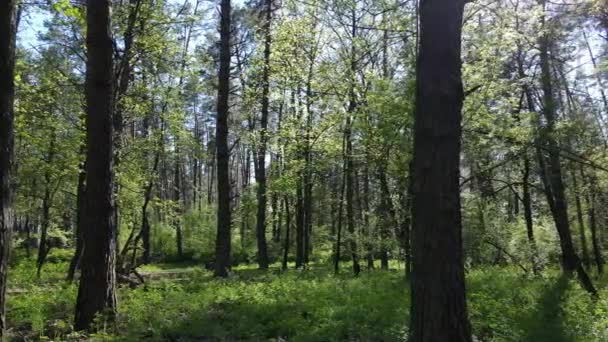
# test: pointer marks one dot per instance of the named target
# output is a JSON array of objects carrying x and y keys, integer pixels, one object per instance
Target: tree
[
  {"x": 260, "y": 170},
  {"x": 222, "y": 244},
  {"x": 438, "y": 309},
  {"x": 552, "y": 168},
  {"x": 96, "y": 292},
  {"x": 8, "y": 31}
]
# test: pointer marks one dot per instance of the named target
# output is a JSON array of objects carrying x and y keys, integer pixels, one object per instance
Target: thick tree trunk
[
  {"x": 96, "y": 292},
  {"x": 260, "y": 170},
  {"x": 8, "y": 31},
  {"x": 223, "y": 240},
  {"x": 439, "y": 309}
]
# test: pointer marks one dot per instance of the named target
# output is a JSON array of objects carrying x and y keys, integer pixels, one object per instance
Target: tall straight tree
[
  {"x": 260, "y": 169},
  {"x": 8, "y": 29},
  {"x": 222, "y": 243},
  {"x": 96, "y": 293},
  {"x": 438, "y": 309}
]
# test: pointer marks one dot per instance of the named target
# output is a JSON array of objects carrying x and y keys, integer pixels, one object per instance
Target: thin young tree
[
  {"x": 222, "y": 243},
  {"x": 8, "y": 29},
  {"x": 438, "y": 309},
  {"x": 96, "y": 292}
]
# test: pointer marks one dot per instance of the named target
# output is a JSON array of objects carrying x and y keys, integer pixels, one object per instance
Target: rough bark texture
[
  {"x": 222, "y": 243},
  {"x": 96, "y": 293},
  {"x": 439, "y": 310},
  {"x": 260, "y": 170},
  {"x": 8, "y": 30}
]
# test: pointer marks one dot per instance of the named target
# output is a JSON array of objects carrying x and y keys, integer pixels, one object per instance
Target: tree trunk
[
  {"x": 287, "y": 232},
  {"x": 554, "y": 185},
  {"x": 387, "y": 213},
  {"x": 44, "y": 247},
  {"x": 96, "y": 292},
  {"x": 439, "y": 309},
  {"x": 177, "y": 220},
  {"x": 8, "y": 31},
  {"x": 527, "y": 202},
  {"x": 581, "y": 222},
  {"x": 223, "y": 243},
  {"x": 348, "y": 153},
  {"x": 590, "y": 200},
  {"x": 260, "y": 170},
  {"x": 80, "y": 198}
]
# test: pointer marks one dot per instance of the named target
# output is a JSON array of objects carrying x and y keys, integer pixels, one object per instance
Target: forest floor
[{"x": 183, "y": 302}]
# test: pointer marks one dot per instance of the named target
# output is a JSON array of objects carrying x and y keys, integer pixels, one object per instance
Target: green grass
[{"x": 312, "y": 305}]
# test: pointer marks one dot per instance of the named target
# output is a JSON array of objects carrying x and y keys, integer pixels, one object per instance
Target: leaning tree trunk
[
  {"x": 96, "y": 292},
  {"x": 8, "y": 31},
  {"x": 553, "y": 179},
  {"x": 438, "y": 309},
  {"x": 222, "y": 243}
]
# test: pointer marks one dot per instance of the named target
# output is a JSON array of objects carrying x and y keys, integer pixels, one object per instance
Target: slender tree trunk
[
  {"x": 80, "y": 201},
  {"x": 8, "y": 31},
  {"x": 287, "y": 232},
  {"x": 44, "y": 246},
  {"x": 300, "y": 225},
  {"x": 387, "y": 213},
  {"x": 554, "y": 178},
  {"x": 527, "y": 202},
  {"x": 223, "y": 240},
  {"x": 439, "y": 309},
  {"x": 177, "y": 220},
  {"x": 590, "y": 202},
  {"x": 581, "y": 221},
  {"x": 348, "y": 154},
  {"x": 96, "y": 292}
]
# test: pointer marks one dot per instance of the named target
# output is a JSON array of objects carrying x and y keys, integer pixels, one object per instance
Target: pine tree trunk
[
  {"x": 223, "y": 239},
  {"x": 8, "y": 31},
  {"x": 260, "y": 170},
  {"x": 96, "y": 292},
  {"x": 438, "y": 309}
]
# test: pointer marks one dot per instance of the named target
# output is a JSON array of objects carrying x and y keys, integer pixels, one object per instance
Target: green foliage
[{"x": 313, "y": 305}]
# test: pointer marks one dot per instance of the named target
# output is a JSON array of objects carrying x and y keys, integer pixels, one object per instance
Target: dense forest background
[{"x": 258, "y": 170}]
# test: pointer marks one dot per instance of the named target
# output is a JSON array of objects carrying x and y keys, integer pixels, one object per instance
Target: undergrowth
[{"x": 311, "y": 305}]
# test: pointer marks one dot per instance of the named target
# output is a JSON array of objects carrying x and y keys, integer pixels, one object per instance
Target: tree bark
[
  {"x": 260, "y": 170},
  {"x": 223, "y": 239},
  {"x": 96, "y": 292},
  {"x": 8, "y": 31},
  {"x": 438, "y": 309}
]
